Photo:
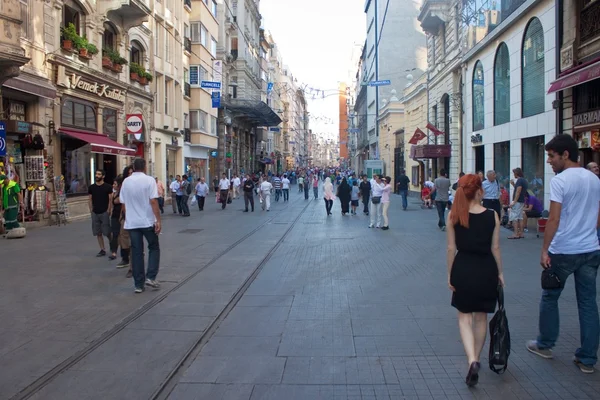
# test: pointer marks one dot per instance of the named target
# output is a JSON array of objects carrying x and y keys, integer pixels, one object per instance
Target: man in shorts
[
  {"x": 100, "y": 201},
  {"x": 518, "y": 204}
]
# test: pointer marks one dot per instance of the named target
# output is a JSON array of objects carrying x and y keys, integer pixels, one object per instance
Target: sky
[{"x": 316, "y": 39}]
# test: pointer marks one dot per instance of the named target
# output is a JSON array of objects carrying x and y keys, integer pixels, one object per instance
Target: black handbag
[
  {"x": 550, "y": 280},
  {"x": 376, "y": 199},
  {"x": 499, "y": 337}
]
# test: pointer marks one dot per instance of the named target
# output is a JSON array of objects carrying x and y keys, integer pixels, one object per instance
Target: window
[
  {"x": 415, "y": 176},
  {"x": 186, "y": 75},
  {"x": 195, "y": 31},
  {"x": 166, "y": 97},
  {"x": 502, "y": 85},
  {"x": 136, "y": 53},
  {"x": 72, "y": 15},
  {"x": 213, "y": 47},
  {"x": 214, "y": 8},
  {"x": 75, "y": 159},
  {"x": 203, "y": 36},
  {"x": 25, "y": 19},
  {"x": 157, "y": 41},
  {"x": 198, "y": 120},
  {"x": 532, "y": 84},
  {"x": 186, "y": 30},
  {"x": 78, "y": 115},
  {"x": 197, "y": 74},
  {"x": 158, "y": 93},
  {"x": 167, "y": 46},
  {"x": 213, "y": 125},
  {"x": 109, "y": 37},
  {"x": 478, "y": 108},
  {"x": 533, "y": 154},
  {"x": 109, "y": 123},
  {"x": 502, "y": 163}
]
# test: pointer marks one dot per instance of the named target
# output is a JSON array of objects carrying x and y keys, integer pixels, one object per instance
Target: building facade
[
  {"x": 391, "y": 135},
  {"x": 414, "y": 100}
]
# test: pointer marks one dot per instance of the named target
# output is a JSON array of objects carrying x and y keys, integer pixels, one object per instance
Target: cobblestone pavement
[{"x": 336, "y": 311}]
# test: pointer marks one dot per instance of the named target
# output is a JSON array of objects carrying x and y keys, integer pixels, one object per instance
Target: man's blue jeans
[
  {"x": 404, "y": 195},
  {"x": 137, "y": 255},
  {"x": 286, "y": 194},
  {"x": 585, "y": 268},
  {"x": 316, "y": 192}
]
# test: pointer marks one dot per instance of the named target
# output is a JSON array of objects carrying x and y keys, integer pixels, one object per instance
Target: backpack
[{"x": 188, "y": 188}]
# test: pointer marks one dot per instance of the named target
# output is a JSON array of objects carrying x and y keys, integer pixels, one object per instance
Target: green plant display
[{"x": 69, "y": 32}]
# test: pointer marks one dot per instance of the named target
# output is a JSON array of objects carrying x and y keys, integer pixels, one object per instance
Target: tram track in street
[{"x": 170, "y": 381}]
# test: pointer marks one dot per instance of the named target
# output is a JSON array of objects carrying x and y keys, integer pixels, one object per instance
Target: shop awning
[
  {"x": 32, "y": 84},
  {"x": 100, "y": 143},
  {"x": 576, "y": 76},
  {"x": 255, "y": 111}
]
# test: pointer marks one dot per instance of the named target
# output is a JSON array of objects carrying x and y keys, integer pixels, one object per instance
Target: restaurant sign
[
  {"x": 101, "y": 90},
  {"x": 587, "y": 118}
]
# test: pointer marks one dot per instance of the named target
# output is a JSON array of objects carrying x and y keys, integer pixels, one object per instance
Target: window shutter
[{"x": 532, "y": 68}]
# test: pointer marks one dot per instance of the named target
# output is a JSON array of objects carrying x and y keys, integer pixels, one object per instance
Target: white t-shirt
[
  {"x": 376, "y": 188},
  {"x": 136, "y": 193},
  {"x": 578, "y": 191},
  {"x": 224, "y": 184},
  {"x": 236, "y": 182},
  {"x": 266, "y": 187},
  {"x": 286, "y": 183},
  {"x": 174, "y": 186}
]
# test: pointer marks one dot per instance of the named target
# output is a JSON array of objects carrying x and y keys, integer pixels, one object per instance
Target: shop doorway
[
  {"x": 479, "y": 159},
  {"x": 108, "y": 163}
]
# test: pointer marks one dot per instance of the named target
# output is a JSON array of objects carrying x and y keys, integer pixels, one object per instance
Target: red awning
[
  {"x": 100, "y": 143},
  {"x": 581, "y": 75}
]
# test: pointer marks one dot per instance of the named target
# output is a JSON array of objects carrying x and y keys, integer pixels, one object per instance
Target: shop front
[
  {"x": 90, "y": 118},
  {"x": 196, "y": 162}
]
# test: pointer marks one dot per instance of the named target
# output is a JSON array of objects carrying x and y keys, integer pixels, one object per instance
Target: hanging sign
[
  {"x": 216, "y": 99},
  {"x": 2, "y": 139},
  {"x": 134, "y": 123}
]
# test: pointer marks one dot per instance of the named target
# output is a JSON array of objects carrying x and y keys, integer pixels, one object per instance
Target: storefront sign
[
  {"x": 2, "y": 139},
  {"x": 109, "y": 150},
  {"x": 134, "y": 123},
  {"x": 101, "y": 90},
  {"x": 13, "y": 126},
  {"x": 591, "y": 117}
]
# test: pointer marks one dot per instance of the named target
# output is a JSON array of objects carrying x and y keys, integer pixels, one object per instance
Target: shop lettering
[
  {"x": 591, "y": 117},
  {"x": 96, "y": 88}
]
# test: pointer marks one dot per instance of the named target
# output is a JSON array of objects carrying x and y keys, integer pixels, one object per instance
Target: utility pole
[{"x": 376, "y": 78}]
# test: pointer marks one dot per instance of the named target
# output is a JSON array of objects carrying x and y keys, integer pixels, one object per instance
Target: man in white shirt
[
  {"x": 139, "y": 196},
  {"x": 223, "y": 191},
  {"x": 265, "y": 193},
  {"x": 236, "y": 186},
  {"x": 285, "y": 182},
  {"x": 376, "y": 206},
  {"x": 571, "y": 247},
  {"x": 201, "y": 193},
  {"x": 174, "y": 187}
]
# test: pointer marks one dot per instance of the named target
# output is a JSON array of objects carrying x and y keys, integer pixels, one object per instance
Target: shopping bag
[
  {"x": 499, "y": 337},
  {"x": 194, "y": 200},
  {"x": 218, "y": 197}
]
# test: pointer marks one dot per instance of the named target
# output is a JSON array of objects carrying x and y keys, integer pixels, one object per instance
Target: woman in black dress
[
  {"x": 343, "y": 192},
  {"x": 474, "y": 267}
]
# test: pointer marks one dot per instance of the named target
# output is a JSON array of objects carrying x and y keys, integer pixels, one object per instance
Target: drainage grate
[
  {"x": 280, "y": 223},
  {"x": 191, "y": 231}
]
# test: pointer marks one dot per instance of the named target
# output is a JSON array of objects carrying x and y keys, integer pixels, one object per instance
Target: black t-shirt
[
  {"x": 248, "y": 185},
  {"x": 100, "y": 197},
  {"x": 403, "y": 182},
  {"x": 521, "y": 182},
  {"x": 116, "y": 211},
  {"x": 365, "y": 188}
]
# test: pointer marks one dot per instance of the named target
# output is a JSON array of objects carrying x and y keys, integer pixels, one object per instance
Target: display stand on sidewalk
[{"x": 62, "y": 212}]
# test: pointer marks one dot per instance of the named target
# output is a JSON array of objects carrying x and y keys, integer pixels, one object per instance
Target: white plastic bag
[{"x": 194, "y": 200}]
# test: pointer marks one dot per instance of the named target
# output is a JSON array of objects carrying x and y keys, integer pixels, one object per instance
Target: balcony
[
  {"x": 187, "y": 4},
  {"x": 187, "y": 44},
  {"x": 434, "y": 14},
  {"x": 12, "y": 56},
  {"x": 186, "y": 89},
  {"x": 589, "y": 23},
  {"x": 133, "y": 12},
  {"x": 187, "y": 135}
]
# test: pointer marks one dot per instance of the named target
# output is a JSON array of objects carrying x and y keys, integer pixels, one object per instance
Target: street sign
[
  {"x": 2, "y": 138},
  {"x": 216, "y": 99},
  {"x": 210, "y": 85},
  {"x": 214, "y": 153},
  {"x": 269, "y": 87},
  {"x": 274, "y": 129},
  {"x": 380, "y": 83},
  {"x": 353, "y": 130}
]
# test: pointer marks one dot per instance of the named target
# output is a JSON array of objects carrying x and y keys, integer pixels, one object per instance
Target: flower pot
[
  {"x": 117, "y": 68},
  {"x": 134, "y": 76},
  {"x": 106, "y": 63},
  {"x": 67, "y": 45},
  {"x": 83, "y": 53},
  {"x": 143, "y": 80}
]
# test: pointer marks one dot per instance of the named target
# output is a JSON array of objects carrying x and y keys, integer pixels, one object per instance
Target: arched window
[
  {"x": 72, "y": 14},
  {"x": 109, "y": 38},
  {"x": 136, "y": 54},
  {"x": 532, "y": 69},
  {"x": 478, "y": 108},
  {"x": 78, "y": 114},
  {"x": 502, "y": 85}
]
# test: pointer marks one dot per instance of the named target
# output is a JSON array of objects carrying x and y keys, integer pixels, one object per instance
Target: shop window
[
  {"x": 72, "y": 15},
  {"x": 533, "y": 154},
  {"x": 502, "y": 85},
  {"x": 136, "y": 54},
  {"x": 502, "y": 163},
  {"x": 75, "y": 158},
  {"x": 415, "y": 175},
  {"x": 587, "y": 96},
  {"x": 532, "y": 69},
  {"x": 478, "y": 106},
  {"x": 109, "y": 38},
  {"x": 109, "y": 123},
  {"x": 78, "y": 115}
]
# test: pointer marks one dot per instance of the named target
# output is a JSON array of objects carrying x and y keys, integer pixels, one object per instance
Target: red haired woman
[{"x": 474, "y": 267}]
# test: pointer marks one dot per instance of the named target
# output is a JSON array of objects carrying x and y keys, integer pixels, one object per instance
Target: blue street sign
[
  {"x": 214, "y": 153},
  {"x": 216, "y": 99},
  {"x": 2, "y": 138},
  {"x": 210, "y": 85},
  {"x": 274, "y": 129},
  {"x": 269, "y": 87},
  {"x": 353, "y": 130},
  {"x": 380, "y": 83}
]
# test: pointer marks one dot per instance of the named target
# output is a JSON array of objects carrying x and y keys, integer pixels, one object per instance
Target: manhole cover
[{"x": 191, "y": 231}]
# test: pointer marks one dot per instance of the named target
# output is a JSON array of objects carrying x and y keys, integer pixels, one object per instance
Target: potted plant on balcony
[
  {"x": 145, "y": 78},
  {"x": 92, "y": 49},
  {"x": 107, "y": 58},
  {"x": 118, "y": 62},
  {"x": 81, "y": 44},
  {"x": 69, "y": 36},
  {"x": 135, "y": 71}
]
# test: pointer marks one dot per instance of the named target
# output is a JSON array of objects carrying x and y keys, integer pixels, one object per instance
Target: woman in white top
[{"x": 328, "y": 195}]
